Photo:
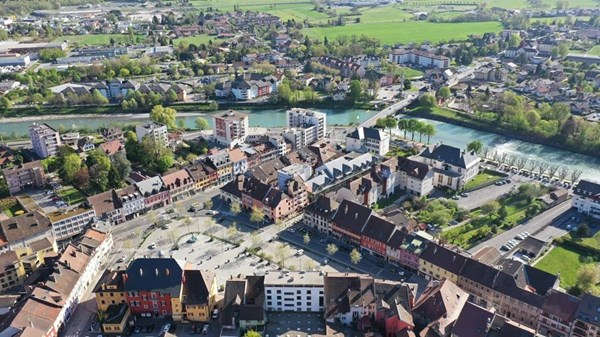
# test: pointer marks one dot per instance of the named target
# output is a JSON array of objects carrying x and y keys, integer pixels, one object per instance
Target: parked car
[
  {"x": 205, "y": 329},
  {"x": 464, "y": 194},
  {"x": 215, "y": 314},
  {"x": 152, "y": 245}
]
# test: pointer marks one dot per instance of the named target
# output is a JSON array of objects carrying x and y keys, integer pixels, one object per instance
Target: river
[{"x": 447, "y": 133}]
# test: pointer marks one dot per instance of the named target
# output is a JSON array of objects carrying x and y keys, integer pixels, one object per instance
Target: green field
[
  {"x": 406, "y": 32},
  {"x": 564, "y": 261},
  {"x": 70, "y": 195},
  {"x": 197, "y": 40}
]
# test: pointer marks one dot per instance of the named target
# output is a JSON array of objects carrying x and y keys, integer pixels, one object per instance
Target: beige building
[
  {"x": 44, "y": 140},
  {"x": 23, "y": 176}
]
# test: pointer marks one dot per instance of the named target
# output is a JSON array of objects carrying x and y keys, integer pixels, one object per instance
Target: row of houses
[
  {"x": 519, "y": 292},
  {"x": 118, "y": 89},
  {"x": 50, "y": 304}
]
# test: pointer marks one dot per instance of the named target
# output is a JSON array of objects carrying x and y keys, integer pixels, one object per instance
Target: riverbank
[
  {"x": 452, "y": 117},
  {"x": 116, "y": 110}
]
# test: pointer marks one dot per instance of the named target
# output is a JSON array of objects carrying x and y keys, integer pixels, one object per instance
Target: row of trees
[{"x": 408, "y": 125}]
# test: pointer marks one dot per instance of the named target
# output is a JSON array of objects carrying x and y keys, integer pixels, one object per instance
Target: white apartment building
[
  {"x": 452, "y": 166},
  {"x": 319, "y": 215},
  {"x": 289, "y": 172},
  {"x": 587, "y": 198},
  {"x": 416, "y": 178},
  {"x": 375, "y": 141},
  {"x": 294, "y": 291},
  {"x": 66, "y": 224},
  {"x": 303, "y": 118},
  {"x": 230, "y": 128},
  {"x": 156, "y": 131},
  {"x": 132, "y": 201},
  {"x": 44, "y": 140},
  {"x": 422, "y": 58}
]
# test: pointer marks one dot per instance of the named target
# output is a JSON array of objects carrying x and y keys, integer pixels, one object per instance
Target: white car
[{"x": 300, "y": 252}]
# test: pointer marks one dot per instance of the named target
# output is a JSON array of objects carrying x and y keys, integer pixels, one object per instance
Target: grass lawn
[
  {"x": 564, "y": 261},
  {"x": 411, "y": 73},
  {"x": 593, "y": 241},
  {"x": 197, "y": 40},
  {"x": 406, "y": 32},
  {"x": 594, "y": 51},
  {"x": 10, "y": 206},
  {"x": 70, "y": 195},
  {"x": 482, "y": 178},
  {"x": 384, "y": 14}
]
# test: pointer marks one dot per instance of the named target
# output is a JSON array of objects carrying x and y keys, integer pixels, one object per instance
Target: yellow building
[
  {"x": 198, "y": 294},
  {"x": 114, "y": 320},
  {"x": 439, "y": 262},
  {"x": 12, "y": 272},
  {"x": 109, "y": 290}
]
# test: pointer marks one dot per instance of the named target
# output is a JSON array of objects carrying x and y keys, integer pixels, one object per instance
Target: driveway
[{"x": 481, "y": 196}]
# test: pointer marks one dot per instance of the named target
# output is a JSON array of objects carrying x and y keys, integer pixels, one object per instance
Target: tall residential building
[
  {"x": 313, "y": 123},
  {"x": 44, "y": 139},
  {"x": 586, "y": 198},
  {"x": 230, "y": 128},
  {"x": 155, "y": 130}
]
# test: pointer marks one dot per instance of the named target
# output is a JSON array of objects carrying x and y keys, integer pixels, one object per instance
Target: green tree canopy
[{"x": 164, "y": 115}]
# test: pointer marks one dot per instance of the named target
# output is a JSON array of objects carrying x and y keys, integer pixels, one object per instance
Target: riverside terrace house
[
  {"x": 275, "y": 204},
  {"x": 51, "y": 304},
  {"x": 419, "y": 57},
  {"x": 416, "y": 178},
  {"x": 230, "y": 128},
  {"x": 338, "y": 170},
  {"x": 244, "y": 303},
  {"x": 154, "y": 191},
  {"x": 221, "y": 161},
  {"x": 375, "y": 141},
  {"x": 108, "y": 207},
  {"x": 25, "y": 175},
  {"x": 586, "y": 198},
  {"x": 438, "y": 307},
  {"x": 44, "y": 140},
  {"x": 251, "y": 86},
  {"x": 358, "y": 298},
  {"x": 179, "y": 183},
  {"x": 453, "y": 167}
]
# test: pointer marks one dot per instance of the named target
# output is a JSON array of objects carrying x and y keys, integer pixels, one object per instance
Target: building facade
[
  {"x": 156, "y": 131},
  {"x": 230, "y": 128},
  {"x": 23, "y": 176},
  {"x": 44, "y": 140}
]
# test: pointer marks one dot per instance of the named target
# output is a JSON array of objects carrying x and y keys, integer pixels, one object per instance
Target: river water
[{"x": 447, "y": 133}]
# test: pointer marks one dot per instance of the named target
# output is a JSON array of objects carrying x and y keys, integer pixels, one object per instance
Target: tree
[
  {"x": 98, "y": 98},
  {"x": 583, "y": 231},
  {"x": 331, "y": 249},
  {"x": 403, "y": 125},
  {"x": 552, "y": 169},
  {"x": 235, "y": 208},
  {"x": 124, "y": 72},
  {"x": 252, "y": 333},
  {"x": 563, "y": 172},
  {"x": 514, "y": 40},
  {"x": 490, "y": 208},
  {"x": 503, "y": 212},
  {"x": 257, "y": 215},
  {"x": 355, "y": 91},
  {"x": 306, "y": 239},
  {"x": 575, "y": 174},
  {"x": 164, "y": 163},
  {"x": 588, "y": 277},
  {"x": 282, "y": 253},
  {"x": 232, "y": 230},
  {"x": 355, "y": 256},
  {"x": 407, "y": 84},
  {"x": 51, "y": 54},
  {"x": 99, "y": 166},
  {"x": 475, "y": 146},
  {"x": 121, "y": 166},
  {"x": 201, "y": 124},
  {"x": 390, "y": 122},
  {"x": 427, "y": 100},
  {"x": 444, "y": 93},
  {"x": 309, "y": 94},
  {"x": 164, "y": 115},
  {"x": 533, "y": 209},
  {"x": 412, "y": 126},
  {"x": 70, "y": 166},
  {"x": 428, "y": 130},
  {"x": 208, "y": 204}
]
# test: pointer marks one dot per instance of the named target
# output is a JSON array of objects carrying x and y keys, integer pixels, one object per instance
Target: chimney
[
  {"x": 124, "y": 277},
  {"x": 141, "y": 272},
  {"x": 156, "y": 271},
  {"x": 167, "y": 272}
]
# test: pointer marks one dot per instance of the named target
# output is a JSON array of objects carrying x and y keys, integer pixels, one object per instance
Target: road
[
  {"x": 533, "y": 226},
  {"x": 390, "y": 110}
]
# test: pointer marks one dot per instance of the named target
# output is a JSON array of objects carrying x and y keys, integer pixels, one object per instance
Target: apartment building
[
  {"x": 68, "y": 223},
  {"x": 438, "y": 307},
  {"x": 586, "y": 198},
  {"x": 132, "y": 202},
  {"x": 304, "y": 127},
  {"x": 24, "y": 176},
  {"x": 221, "y": 162},
  {"x": 371, "y": 140},
  {"x": 44, "y": 140},
  {"x": 558, "y": 314},
  {"x": 230, "y": 128},
  {"x": 319, "y": 215},
  {"x": 294, "y": 291},
  {"x": 156, "y": 131},
  {"x": 416, "y": 177},
  {"x": 419, "y": 57},
  {"x": 587, "y": 317},
  {"x": 107, "y": 207},
  {"x": 244, "y": 303},
  {"x": 340, "y": 169}
]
